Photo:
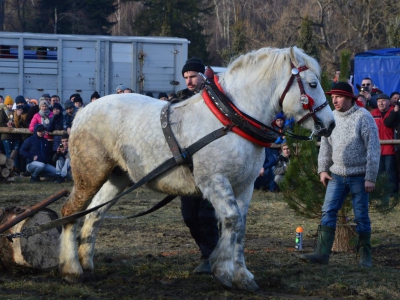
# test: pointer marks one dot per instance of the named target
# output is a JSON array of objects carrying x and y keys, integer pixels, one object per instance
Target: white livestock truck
[{"x": 32, "y": 64}]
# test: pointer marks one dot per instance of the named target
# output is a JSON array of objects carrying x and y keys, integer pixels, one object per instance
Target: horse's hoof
[
  {"x": 248, "y": 285},
  {"x": 224, "y": 278},
  {"x": 72, "y": 278}
]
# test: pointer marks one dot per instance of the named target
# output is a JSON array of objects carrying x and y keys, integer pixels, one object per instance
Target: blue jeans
[
  {"x": 37, "y": 169},
  {"x": 388, "y": 164},
  {"x": 337, "y": 190},
  {"x": 63, "y": 167},
  {"x": 9, "y": 146}
]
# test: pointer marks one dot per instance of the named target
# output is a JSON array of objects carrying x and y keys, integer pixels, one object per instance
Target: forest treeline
[{"x": 219, "y": 30}]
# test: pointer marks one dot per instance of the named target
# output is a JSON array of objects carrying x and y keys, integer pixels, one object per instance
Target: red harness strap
[{"x": 226, "y": 121}]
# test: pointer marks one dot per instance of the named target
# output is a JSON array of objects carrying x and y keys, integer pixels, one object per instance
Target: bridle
[{"x": 306, "y": 100}]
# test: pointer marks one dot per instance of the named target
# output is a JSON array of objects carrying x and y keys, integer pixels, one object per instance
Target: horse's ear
[{"x": 293, "y": 56}]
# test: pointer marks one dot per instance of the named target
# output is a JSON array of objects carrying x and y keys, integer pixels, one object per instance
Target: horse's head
[
  {"x": 270, "y": 80},
  {"x": 303, "y": 97}
]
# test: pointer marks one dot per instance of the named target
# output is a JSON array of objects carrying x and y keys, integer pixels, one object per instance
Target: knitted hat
[
  {"x": 120, "y": 88},
  {"x": 95, "y": 95},
  {"x": 33, "y": 101},
  {"x": 68, "y": 104},
  {"x": 78, "y": 98},
  {"x": 162, "y": 95},
  {"x": 39, "y": 127},
  {"x": 58, "y": 106},
  {"x": 8, "y": 100},
  {"x": 20, "y": 99},
  {"x": 150, "y": 94},
  {"x": 342, "y": 89},
  {"x": 46, "y": 95},
  {"x": 42, "y": 101},
  {"x": 194, "y": 64},
  {"x": 280, "y": 116},
  {"x": 391, "y": 95}
]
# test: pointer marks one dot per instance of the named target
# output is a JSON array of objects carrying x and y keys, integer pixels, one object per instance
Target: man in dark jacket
[
  {"x": 193, "y": 80},
  {"x": 198, "y": 213},
  {"x": 70, "y": 112},
  {"x": 37, "y": 150}
]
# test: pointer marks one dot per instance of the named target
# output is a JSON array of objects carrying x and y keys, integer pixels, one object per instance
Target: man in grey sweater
[{"x": 348, "y": 162}]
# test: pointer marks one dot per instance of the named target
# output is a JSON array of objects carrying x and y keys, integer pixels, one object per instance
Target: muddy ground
[{"x": 153, "y": 257}]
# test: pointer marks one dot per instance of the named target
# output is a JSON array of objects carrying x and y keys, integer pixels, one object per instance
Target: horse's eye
[{"x": 313, "y": 84}]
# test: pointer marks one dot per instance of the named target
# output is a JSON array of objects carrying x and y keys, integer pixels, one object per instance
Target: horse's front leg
[
  {"x": 243, "y": 278},
  {"x": 223, "y": 259}
]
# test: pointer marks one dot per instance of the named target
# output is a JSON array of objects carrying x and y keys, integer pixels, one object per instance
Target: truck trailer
[{"x": 34, "y": 63}]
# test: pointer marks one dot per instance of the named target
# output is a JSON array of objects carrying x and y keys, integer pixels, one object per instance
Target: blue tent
[{"x": 382, "y": 66}]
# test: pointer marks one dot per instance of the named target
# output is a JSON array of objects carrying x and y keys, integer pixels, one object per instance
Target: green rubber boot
[
  {"x": 364, "y": 250},
  {"x": 326, "y": 235}
]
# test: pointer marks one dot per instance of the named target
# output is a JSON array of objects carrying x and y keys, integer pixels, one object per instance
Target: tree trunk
[
  {"x": 345, "y": 238},
  {"x": 38, "y": 251}
]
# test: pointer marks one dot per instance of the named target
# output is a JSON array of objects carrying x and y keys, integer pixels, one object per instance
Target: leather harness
[{"x": 230, "y": 116}]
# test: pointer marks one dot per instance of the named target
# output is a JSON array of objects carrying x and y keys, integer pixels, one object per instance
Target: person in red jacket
[{"x": 387, "y": 162}]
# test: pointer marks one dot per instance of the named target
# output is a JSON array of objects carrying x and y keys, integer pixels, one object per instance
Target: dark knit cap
[
  {"x": 161, "y": 95},
  {"x": 78, "y": 98},
  {"x": 95, "y": 95},
  {"x": 46, "y": 95},
  {"x": 342, "y": 89},
  {"x": 58, "y": 106},
  {"x": 20, "y": 99},
  {"x": 194, "y": 64}
]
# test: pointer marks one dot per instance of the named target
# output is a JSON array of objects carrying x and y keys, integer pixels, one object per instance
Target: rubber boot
[
  {"x": 326, "y": 235},
  {"x": 364, "y": 250},
  {"x": 204, "y": 267}
]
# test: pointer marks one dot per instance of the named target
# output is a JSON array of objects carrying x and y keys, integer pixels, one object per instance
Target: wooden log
[
  {"x": 39, "y": 251},
  {"x": 9, "y": 163},
  {"x": 32, "y": 210},
  {"x": 345, "y": 238},
  {"x": 3, "y": 159},
  {"x": 13, "y": 130},
  {"x": 5, "y": 172}
]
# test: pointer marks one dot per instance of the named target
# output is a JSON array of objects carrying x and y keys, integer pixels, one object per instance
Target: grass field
[{"x": 152, "y": 257}]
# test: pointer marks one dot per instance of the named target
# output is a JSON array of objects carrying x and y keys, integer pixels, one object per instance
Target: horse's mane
[{"x": 273, "y": 59}]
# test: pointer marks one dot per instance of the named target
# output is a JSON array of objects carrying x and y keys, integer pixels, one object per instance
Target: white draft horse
[{"x": 124, "y": 130}]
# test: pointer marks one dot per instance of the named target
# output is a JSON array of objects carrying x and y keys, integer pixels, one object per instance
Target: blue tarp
[{"x": 382, "y": 66}]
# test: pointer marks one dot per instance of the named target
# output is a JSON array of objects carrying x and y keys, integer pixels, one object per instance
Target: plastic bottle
[{"x": 299, "y": 239}]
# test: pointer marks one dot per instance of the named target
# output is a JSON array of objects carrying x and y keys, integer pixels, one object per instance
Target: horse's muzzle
[{"x": 327, "y": 131}]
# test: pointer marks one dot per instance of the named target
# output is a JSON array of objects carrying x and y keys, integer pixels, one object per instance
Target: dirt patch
[{"x": 153, "y": 257}]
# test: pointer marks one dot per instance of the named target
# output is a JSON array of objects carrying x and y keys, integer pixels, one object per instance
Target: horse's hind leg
[
  {"x": 88, "y": 178},
  {"x": 114, "y": 186}
]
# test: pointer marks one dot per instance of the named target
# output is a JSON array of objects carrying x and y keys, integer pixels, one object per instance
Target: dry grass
[{"x": 153, "y": 257}]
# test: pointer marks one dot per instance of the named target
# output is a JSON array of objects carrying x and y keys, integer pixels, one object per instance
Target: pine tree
[
  {"x": 393, "y": 32},
  {"x": 175, "y": 18},
  {"x": 306, "y": 39}
]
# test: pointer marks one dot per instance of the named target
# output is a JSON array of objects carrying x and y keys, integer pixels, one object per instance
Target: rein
[{"x": 165, "y": 166}]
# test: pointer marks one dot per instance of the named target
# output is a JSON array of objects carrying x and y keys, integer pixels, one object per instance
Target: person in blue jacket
[{"x": 37, "y": 151}]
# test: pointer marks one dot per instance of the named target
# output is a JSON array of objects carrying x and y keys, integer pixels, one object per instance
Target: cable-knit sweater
[{"x": 353, "y": 148}]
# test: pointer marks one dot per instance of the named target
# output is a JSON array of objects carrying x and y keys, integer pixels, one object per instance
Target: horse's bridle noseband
[{"x": 306, "y": 100}]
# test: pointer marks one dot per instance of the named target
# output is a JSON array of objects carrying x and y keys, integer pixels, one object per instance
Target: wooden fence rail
[{"x": 61, "y": 132}]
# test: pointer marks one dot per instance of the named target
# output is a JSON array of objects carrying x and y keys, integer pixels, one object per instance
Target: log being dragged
[{"x": 39, "y": 251}]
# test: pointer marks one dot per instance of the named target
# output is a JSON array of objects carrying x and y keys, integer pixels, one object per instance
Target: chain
[{"x": 16, "y": 235}]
